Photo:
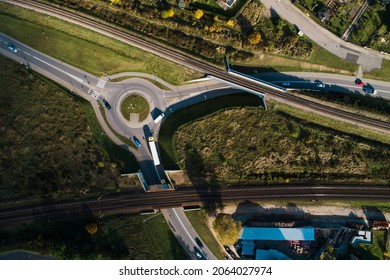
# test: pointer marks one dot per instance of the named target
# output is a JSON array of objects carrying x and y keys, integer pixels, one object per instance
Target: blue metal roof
[
  {"x": 260, "y": 233},
  {"x": 270, "y": 255},
  {"x": 248, "y": 248}
]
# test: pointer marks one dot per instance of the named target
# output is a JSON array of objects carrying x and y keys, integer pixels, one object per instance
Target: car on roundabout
[{"x": 137, "y": 142}]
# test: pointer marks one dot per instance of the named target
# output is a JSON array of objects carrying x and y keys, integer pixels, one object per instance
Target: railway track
[
  {"x": 135, "y": 203},
  {"x": 207, "y": 68}
]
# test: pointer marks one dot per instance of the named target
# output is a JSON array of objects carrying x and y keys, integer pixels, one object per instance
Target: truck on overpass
[{"x": 153, "y": 150}]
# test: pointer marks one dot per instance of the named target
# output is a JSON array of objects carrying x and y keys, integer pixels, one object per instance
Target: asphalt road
[
  {"x": 368, "y": 59},
  {"x": 333, "y": 82},
  {"x": 95, "y": 89},
  {"x": 186, "y": 234}
]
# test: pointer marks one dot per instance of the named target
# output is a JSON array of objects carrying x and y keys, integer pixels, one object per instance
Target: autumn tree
[
  {"x": 231, "y": 22},
  {"x": 227, "y": 229},
  {"x": 168, "y": 13},
  {"x": 254, "y": 38},
  {"x": 116, "y": 2},
  {"x": 198, "y": 14},
  {"x": 91, "y": 228}
]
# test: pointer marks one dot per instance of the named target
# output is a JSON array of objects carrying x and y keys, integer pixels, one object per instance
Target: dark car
[
  {"x": 137, "y": 142},
  {"x": 11, "y": 47},
  {"x": 359, "y": 82},
  {"x": 197, "y": 240},
  {"x": 108, "y": 106},
  {"x": 369, "y": 90}
]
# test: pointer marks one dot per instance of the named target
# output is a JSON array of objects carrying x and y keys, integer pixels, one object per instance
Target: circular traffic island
[{"x": 134, "y": 108}]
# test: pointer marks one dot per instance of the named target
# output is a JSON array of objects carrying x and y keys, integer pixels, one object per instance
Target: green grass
[
  {"x": 323, "y": 57},
  {"x": 163, "y": 239},
  {"x": 192, "y": 113},
  {"x": 380, "y": 74},
  {"x": 135, "y": 104},
  {"x": 85, "y": 49},
  {"x": 51, "y": 147},
  {"x": 197, "y": 220},
  {"x": 129, "y": 162},
  {"x": 334, "y": 124},
  {"x": 124, "y": 237},
  {"x": 121, "y": 137},
  {"x": 282, "y": 145},
  {"x": 372, "y": 251}
]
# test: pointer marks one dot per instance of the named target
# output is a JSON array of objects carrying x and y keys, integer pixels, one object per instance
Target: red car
[{"x": 359, "y": 82}]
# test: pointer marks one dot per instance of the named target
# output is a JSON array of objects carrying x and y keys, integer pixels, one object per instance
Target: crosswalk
[
  {"x": 95, "y": 95},
  {"x": 101, "y": 83}
]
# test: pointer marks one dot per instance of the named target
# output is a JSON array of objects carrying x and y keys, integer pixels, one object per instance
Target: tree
[
  {"x": 116, "y": 2},
  {"x": 91, "y": 228},
  {"x": 198, "y": 14},
  {"x": 254, "y": 38},
  {"x": 167, "y": 14},
  {"x": 227, "y": 229},
  {"x": 231, "y": 22}
]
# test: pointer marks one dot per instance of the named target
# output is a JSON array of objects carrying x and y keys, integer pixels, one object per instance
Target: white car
[
  {"x": 12, "y": 48},
  {"x": 321, "y": 85}
]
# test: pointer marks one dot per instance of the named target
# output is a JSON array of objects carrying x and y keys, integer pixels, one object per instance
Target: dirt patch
[{"x": 179, "y": 178}]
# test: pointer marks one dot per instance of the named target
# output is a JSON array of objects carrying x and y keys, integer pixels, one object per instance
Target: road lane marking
[
  {"x": 184, "y": 227},
  {"x": 58, "y": 69},
  {"x": 101, "y": 83},
  {"x": 95, "y": 95}
]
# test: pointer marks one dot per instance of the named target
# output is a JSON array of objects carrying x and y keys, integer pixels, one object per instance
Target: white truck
[
  {"x": 159, "y": 118},
  {"x": 153, "y": 150}
]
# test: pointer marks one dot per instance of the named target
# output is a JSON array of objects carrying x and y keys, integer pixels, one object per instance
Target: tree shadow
[{"x": 203, "y": 178}]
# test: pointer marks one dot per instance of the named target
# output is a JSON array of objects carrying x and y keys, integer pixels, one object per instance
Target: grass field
[
  {"x": 192, "y": 113},
  {"x": 380, "y": 74},
  {"x": 135, "y": 104},
  {"x": 51, "y": 145},
  {"x": 321, "y": 61},
  {"x": 163, "y": 238},
  {"x": 85, "y": 49},
  {"x": 372, "y": 251},
  {"x": 282, "y": 145},
  {"x": 198, "y": 221},
  {"x": 125, "y": 237},
  {"x": 121, "y": 137}
]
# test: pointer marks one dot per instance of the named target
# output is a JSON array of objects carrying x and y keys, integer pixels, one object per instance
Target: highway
[{"x": 137, "y": 202}]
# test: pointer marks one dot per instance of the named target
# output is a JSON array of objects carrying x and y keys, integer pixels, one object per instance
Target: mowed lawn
[{"x": 85, "y": 49}]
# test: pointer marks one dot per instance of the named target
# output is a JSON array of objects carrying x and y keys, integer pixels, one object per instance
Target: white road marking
[
  {"x": 89, "y": 90},
  {"x": 184, "y": 227},
  {"x": 95, "y": 95},
  {"x": 101, "y": 83},
  {"x": 70, "y": 75}
]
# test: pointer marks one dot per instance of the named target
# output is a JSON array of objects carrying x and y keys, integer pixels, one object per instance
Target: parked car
[
  {"x": 137, "y": 142},
  {"x": 12, "y": 48},
  {"x": 321, "y": 85}
]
